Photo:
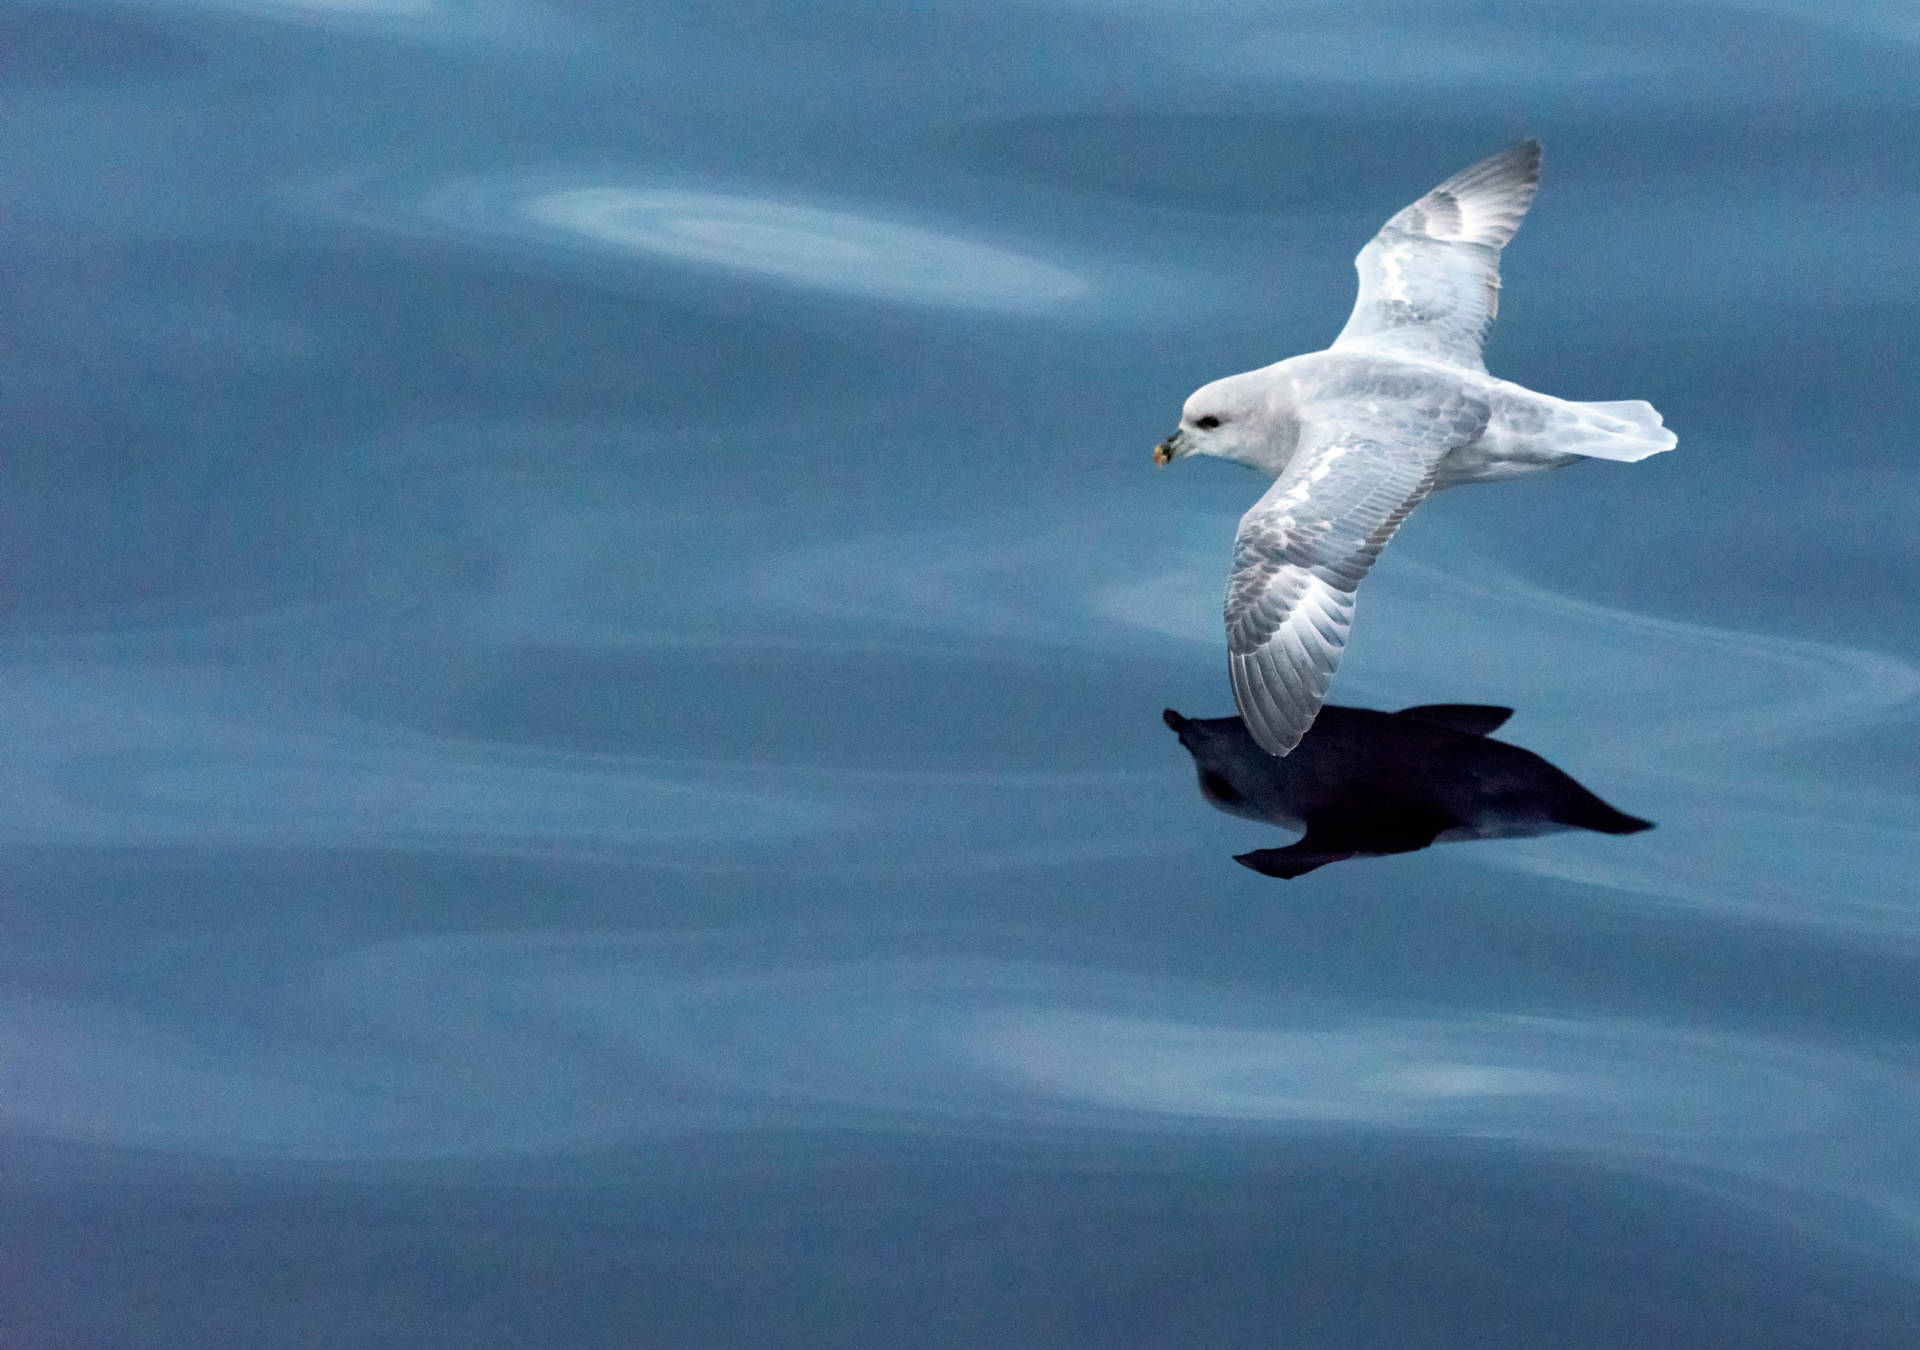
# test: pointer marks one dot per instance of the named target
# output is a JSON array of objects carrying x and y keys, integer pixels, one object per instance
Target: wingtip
[
  {"x": 1260, "y": 714},
  {"x": 1262, "y": 860},
  {"x": 1527, "y": 154},
  {"x": 1483, "y": 203},
  {"x": 1517, "y": 163}
]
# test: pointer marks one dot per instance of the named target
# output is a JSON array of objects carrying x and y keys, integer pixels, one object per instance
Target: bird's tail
[
  {"x": 1581, "y": 809},
  {"x": 1628, "y": 431}
]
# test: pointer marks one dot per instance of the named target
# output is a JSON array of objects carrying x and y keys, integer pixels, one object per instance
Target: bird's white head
[{"x": 1246, "y": 418}]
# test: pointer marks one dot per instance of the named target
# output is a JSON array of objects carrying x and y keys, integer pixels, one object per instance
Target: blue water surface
[{"x": 586, "y": 615}]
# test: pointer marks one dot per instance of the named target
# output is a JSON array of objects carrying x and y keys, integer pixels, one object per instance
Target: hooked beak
[{"x": 1170, "y": 449}]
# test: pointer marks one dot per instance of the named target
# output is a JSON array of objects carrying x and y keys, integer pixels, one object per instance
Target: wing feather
[
  {"x": 1430, "y": 280},
  {"x": 1300, "y": 554}
]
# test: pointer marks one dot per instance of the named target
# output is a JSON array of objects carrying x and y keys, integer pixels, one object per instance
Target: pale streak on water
[{"x": 586, "y": 627}]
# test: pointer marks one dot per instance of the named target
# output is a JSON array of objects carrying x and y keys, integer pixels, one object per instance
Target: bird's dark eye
[{"x": 1207, "y": 423}]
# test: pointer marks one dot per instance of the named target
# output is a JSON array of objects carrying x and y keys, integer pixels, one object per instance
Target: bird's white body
[
  {"x": 1356, "y": 436},
  {"x": 1523, "y": 431}
]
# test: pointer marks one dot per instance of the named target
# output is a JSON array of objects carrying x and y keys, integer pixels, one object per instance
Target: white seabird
[{"x": 1356, "y": 436}]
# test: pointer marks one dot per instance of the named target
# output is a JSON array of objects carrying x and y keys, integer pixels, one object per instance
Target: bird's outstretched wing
[
  {"x": 1297, "y": 560},
  {"x": 1430, "y": 280}
]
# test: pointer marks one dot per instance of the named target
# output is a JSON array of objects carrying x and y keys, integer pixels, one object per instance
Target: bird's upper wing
[
  {"x": 1430, "y": 280},
  {"x": 1301, "y": 552}
]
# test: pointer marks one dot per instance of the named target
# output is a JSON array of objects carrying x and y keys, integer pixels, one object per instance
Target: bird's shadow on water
[{"x": 1363, "y": 784}]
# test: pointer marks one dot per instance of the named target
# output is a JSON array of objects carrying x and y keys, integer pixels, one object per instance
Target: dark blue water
[{"x": 586, "y": 619}]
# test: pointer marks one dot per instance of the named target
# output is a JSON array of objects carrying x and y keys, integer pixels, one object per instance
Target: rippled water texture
[{"x": 586, "y": 620}]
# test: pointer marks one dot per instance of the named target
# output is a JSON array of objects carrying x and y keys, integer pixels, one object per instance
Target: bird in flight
[{"x": 1358, "y": 435}]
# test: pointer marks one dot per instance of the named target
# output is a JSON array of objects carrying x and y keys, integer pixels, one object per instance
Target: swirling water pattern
[{"x": 586, "y": 617}]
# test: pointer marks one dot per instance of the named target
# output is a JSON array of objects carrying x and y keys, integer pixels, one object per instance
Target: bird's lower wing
[{"x": 1297, "y": 561}]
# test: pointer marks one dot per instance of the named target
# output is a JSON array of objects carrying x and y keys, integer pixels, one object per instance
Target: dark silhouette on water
[{"x": 1363, "y": 783}]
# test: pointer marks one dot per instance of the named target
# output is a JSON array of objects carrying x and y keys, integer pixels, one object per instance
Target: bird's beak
[{"x": 1169, "y": 449}]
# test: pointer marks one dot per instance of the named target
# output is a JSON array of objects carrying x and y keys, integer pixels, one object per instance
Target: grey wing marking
[
  {"x": 1430, "y": 280},
  {"x": 1297, "y": 561}
]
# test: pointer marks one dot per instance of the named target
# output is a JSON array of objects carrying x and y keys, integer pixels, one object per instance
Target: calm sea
[{"x": 583, "y": 632}]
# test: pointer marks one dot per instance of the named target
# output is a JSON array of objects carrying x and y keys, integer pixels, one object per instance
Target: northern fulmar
[{"x": 1356, "y": 436}]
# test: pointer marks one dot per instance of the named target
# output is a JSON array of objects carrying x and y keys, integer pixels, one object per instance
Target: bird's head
[
  {"x": 1236, "y": 775},
  {"x": 1246, "y": 418}
]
